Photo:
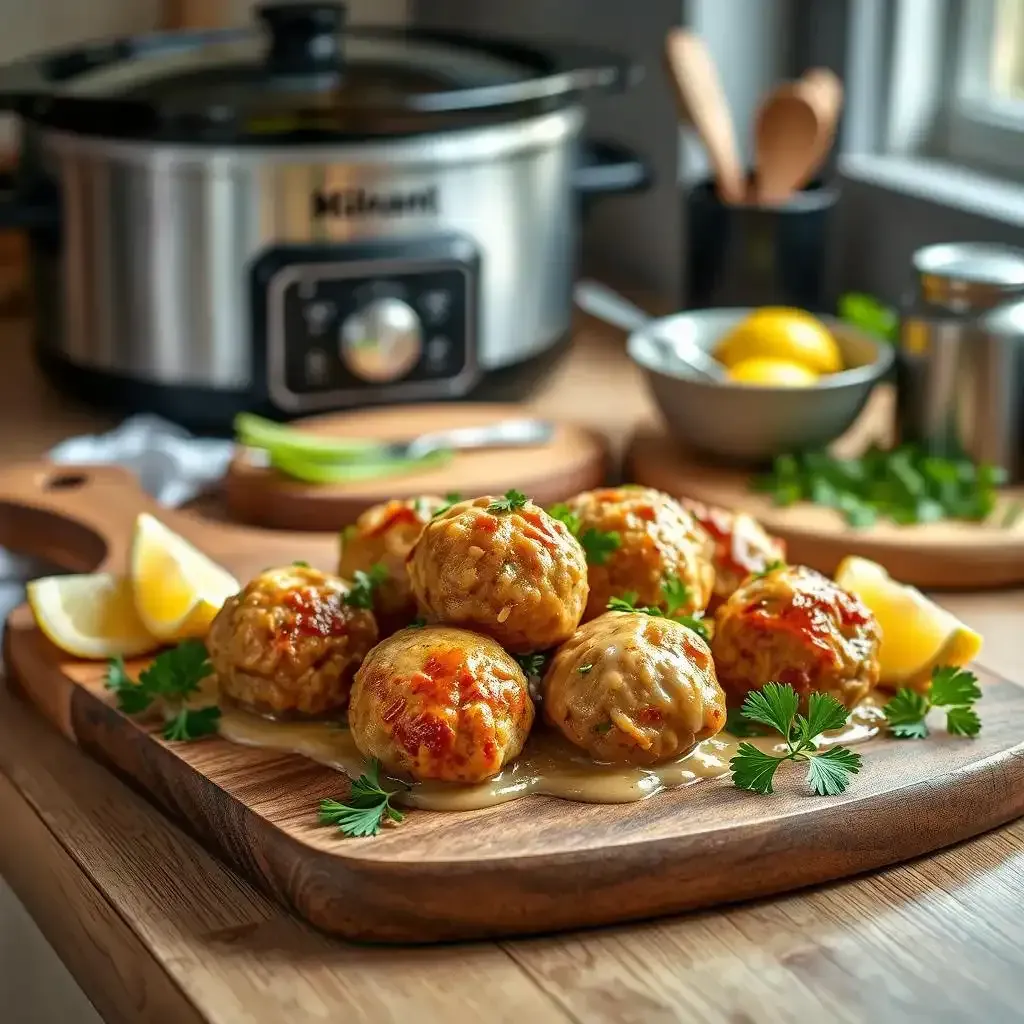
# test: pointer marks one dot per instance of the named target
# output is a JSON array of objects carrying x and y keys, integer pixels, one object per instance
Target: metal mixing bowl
[{"x": 745, "y": 423}]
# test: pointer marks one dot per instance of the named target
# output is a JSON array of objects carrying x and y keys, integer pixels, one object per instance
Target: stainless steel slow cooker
[{"x": 296, "y": 216}]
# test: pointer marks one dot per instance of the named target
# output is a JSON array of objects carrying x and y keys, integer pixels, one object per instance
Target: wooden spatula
[
  {"x": 702, "y": 103},
  {"x": 793, "y": 133}
]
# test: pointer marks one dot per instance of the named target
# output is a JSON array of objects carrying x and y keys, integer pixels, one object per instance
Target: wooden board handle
[{"x": 77, "y": 517}]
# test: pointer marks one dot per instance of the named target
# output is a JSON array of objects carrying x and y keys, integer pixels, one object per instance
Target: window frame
[{"x": 980, "y": 130}]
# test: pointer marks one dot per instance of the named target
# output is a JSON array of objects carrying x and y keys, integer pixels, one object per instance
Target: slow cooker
[{"x": 299, "y": 216}]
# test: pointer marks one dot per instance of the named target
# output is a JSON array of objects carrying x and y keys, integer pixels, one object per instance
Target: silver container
[
  {"x": 304, "y": 218},
  {"x": 960, "y": 364}
]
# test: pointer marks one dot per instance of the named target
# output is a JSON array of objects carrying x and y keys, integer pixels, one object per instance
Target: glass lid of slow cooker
[{"x": 302, "y": 68}]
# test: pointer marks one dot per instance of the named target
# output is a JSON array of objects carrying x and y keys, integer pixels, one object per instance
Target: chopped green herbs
[
  {"x": 603, "y": 727},
  {"x": 369, "y": 805},
  {"x": 775, "y": 705},
  {"x": 511, "y": 502},
  {"x": 953, "y": 689},
  {"x": 598, "y": 545},
  {"x": 450, "y": 499},
  {"x": 676, "y": 596},
  {"x": 904, "y": 484},
  {"x": 564, "y": 515},
  {"x": 360, "y": 594},
  {"x": 585, "y": 670},
  {"x": 533, "y": 665},
  {"x": 768, "y": 569}
]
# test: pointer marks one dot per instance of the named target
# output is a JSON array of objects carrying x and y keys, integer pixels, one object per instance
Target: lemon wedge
[
  {"x": 178, "y": 590},
  {"x": 90, "y": 616},
  {"x": 917, "y": 635}
]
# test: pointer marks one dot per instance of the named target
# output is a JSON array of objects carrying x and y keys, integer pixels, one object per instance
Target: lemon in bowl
[
  {"x": 775, "y": 373},
  {"x": 782, "y": 334}
]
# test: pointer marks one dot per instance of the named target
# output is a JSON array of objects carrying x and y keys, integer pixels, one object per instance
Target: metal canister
[{"x": 961, "y": 356}]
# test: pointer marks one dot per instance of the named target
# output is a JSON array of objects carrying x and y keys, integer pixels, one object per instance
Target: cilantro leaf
[
  {"x": 132, "y": 697},
  {"x": 753, "y": 769},
  {"x": 512, "y": 501},
  {"x": 695, "y": 623},
  {"x": 533, "y": 665},
  {"x": 828, "y": 773},
  {"x": 564, "y": 515},
  {"x": 585, "y": 670},
  {"x": 824, "y": 713},
  {"x": 737, "y": 724},
  {"x": 768, "y": 569},
  {"x": 962, "y": 721},
  {"x": 360, "y": 594},
  {"x": 953, "y": 686},
  {"x": 774, "y": 705},
  {"x": 675, "y": 592},
  {"x": 177, "y": 673},
  {"x": 627, "y": 603},
  {"x": 453, "y": 498},
  {"x": 191, "y": 724},
  {"x": 598, "y": 546},
  {"x": 369, "y": 805},
  {"x": 624, "y": 602},
  {"x": 418, "y": 623}
]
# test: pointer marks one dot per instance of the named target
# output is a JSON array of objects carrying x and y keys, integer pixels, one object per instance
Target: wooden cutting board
[
  {"x": 534, "y": 865},
  {"x": 953, "y": 555},
  {"x": 574, "y": 460}
]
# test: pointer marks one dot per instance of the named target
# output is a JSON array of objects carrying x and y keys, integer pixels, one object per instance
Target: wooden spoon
[
  {"x": 702, "y": 103},
  {"x": 793, "y": 133}
]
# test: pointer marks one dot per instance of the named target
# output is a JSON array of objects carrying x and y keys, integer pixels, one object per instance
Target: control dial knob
[{"x": 382, "y": 341}]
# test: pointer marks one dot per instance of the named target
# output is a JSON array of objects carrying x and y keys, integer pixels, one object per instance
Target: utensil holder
[{"x": 750, "y": 255}]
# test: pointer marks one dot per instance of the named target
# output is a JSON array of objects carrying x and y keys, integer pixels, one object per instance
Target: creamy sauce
[{"x": 548, "y": 764}]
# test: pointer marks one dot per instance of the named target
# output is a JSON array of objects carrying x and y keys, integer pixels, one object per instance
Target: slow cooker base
[{"x": 211, "y": 411}]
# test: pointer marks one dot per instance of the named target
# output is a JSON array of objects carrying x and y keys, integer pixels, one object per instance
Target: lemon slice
[
  {"x": 90, "y": 616},
  {"x": 178, "y": 590},
  {"x": 917, "y": 635}
]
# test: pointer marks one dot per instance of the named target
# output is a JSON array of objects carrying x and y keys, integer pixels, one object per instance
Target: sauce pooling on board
[{"x": 549, "y": 765}]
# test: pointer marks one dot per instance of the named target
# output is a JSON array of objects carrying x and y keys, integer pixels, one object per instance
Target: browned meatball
[
  {"x": 657, "y": 539},
  {"x": 440, "y": 703},
  {"x": 384, "y": 535},
  {"x": 513, "y": 573},
  {"x": 742, "y": 546},
  {"x": 288, "y": 646},
  {"x": 631, "y": 688},
  {"x": 795, "y": 626}
]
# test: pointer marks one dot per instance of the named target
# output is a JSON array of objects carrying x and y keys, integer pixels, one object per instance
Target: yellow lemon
[
  {"x": 178, "y": 590},
  {"x": 917, "y": 635},
  {"x": 776, "y": 332},
  {"x": 90, "y": 616},
  {"x": 772, "y": 373}
]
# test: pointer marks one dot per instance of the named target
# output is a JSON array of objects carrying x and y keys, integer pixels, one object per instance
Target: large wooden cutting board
[{"x": 535, "y": 865}]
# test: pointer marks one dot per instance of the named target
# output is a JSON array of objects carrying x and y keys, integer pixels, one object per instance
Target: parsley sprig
[
  {"x": 172, "y": 676},
  {"x": 511, "y": 502},
  {"x": 953, "y": 689},
  {"x": 676, "y": 595},
  {"x": 905, "y": 484},
  {"x": 360, "y": 594},
  {"x": 368, "y": 807},
  {"x": 775, "y": 705},
  {"x": 768, "y": 569},
  {"x": 598, "y": 545},
  {"x": 533, "y": 666}
]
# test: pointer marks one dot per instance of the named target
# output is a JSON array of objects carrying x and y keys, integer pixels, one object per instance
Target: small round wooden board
[
  {"x": 532, "y": 865},
  {"x": 947, "y": 555},
  {"x": 574, "y": 460}
]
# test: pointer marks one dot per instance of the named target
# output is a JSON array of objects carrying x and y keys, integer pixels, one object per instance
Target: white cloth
[{"x": 172, "y": 465}]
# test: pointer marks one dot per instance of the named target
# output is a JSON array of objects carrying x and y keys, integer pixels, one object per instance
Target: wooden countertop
[{"x": 156, "y": 929}]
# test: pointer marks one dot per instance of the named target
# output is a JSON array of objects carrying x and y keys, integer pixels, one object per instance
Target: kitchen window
[{"x": 985, "y": 112}]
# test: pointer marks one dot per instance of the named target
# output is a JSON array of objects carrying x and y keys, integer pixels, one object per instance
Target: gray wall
[{"x": 633, "y": 240}]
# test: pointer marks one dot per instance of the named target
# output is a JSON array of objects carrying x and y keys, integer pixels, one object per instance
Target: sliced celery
[
  {"x": 257, "y": 432},
  {"x": 322, "y": 472}
]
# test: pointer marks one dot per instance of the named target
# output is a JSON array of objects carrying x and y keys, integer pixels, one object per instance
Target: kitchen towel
[{"x": 172, "y": 465}]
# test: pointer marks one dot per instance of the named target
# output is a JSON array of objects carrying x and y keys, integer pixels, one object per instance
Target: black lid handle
[{"x": 303, "y": 36}]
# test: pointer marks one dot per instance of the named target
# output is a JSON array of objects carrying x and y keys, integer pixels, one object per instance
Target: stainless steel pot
[{"x": 246, "y": 220}]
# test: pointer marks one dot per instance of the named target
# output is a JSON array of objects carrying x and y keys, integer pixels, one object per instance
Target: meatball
[
  {"x": 657, "y": 539},
  {"x": 384, "y": 535},
  {"x": 742, "y": 546},
  {"x": 440, "y": 703},
  {"x": 793, "y": 625},
  {"x": 503, "y": 568},
  {"x": 635, "y": 689},
  {"x": 288, "y": 645}
]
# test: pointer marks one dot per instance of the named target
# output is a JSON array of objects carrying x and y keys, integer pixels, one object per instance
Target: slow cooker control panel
[{"x": 352, "y": 324}]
